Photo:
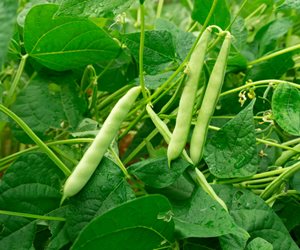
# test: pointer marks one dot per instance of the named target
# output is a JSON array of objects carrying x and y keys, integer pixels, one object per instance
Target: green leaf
[
  {"x": 289, "y": 5},
  {"x": 106, "y": 189},
  {"x": 289, "y": 211},
  {"x": 250, "y": 212},
  {"x": 286, "y": 108},
  {"x": 273, "y": 68},
  {"x": 143, "y": 223},
  {"x": 31, "y": 185},
  {"x": 259, "y": 244},
  {"x": 65, "y": 42},
  {"x": 93, "y": 8},
  {"x": 201, "y": 216},
  {"x": 221, "y": 15},
  {"x": 182, "y": 189},
  {"x": 296, "y": 181},
  {"x": 154, "y": 81},
  {"x": 8, "y": 13},
  {"x": 268, "y": 35},
  {"x": 15, "y": 228},
  {"x": 156, "y": 172},
  {"x": 158, "y": 49},
  {"x": 49, "y": 103},
  {"x": 231, "y": 152},
  {"x": 183, "y": 41}
]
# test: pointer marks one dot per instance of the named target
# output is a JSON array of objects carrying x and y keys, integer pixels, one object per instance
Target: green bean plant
[{"x": 149, "y": 124}]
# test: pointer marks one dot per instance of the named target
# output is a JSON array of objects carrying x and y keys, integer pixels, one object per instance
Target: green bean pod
[
  {"x": 210, "y": 99},
  {"x": 185, "y": 109},
  {"x": 94, "y": 154}
]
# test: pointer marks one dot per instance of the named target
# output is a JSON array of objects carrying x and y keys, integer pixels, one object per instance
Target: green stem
[
  {"x": 12, "y": 157},
  {"x": 16, "y": 79},
  {"x": 272, "y": 199},
  {"x": 277, "y": 53},
  {"x": 296, "y": 150},
  {"x": 254, "y": 177},
  {"x": 140, "y": 146},
  {"x": 132, "y": 124},
  {"x": 64, "y": 155},
  {"x": 141, "y": 51},
  {"x": 264, "y": 141},
  {"x": 36, "y": 139},
  {"x": 292, "y": 142},
  {"x": 208, "y": 189},
  {"x": 33, "y": 216},
  {"x": 113, "y": 97},
  {"x": 208, "y": 17},
  {"x": 159, "y": 8},
  {"x": 119, "y": 162},
  {"x": 256, "y": 181},
  {"x": 237, "y": 14},
  {"x": 274, "y": 185},
  {"x": 285, "y": 156},
  {"x": 252, "y": 84}
]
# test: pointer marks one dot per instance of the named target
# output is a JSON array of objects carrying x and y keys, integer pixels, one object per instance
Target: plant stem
[
  {"x": 140, "y": 146},
  {"x": 208, "y": 189},
  {"x": 274, "y": 185},
  {"x": 264, "y": 141},
  {"x": 119, "y": 162},
  {"x": 277, "y": 53},
  {"x": 236, "y": 15},
  {"x": 272, "y": 199},
  {"x": 283, "y": 158},
  {"x": 141, "y": 51},
  {"x": 113, "y": 97},
  {"x": 159, "y": 8},
  {"x": 36, "y": 139},
  {"x": 252, "y": 84},
  {"x": 16, "y": 80},
  {"x": 12, "y": 157},
  {"x": 33, "y": 216}
]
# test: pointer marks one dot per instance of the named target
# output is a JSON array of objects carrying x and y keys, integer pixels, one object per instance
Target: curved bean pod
[
  {"x": 209, "y": 102},
  {"x": 185, "y": 110},
  {"x": 92, "y": 157}
]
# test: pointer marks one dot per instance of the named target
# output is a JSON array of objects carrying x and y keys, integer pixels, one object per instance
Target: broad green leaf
[
  {"x": 221, "y": 15},
  {"x": 181, "y": 190},
  {"x": 156, "y": 172},
  {"x": 231, "y": 152},
  {"x": 158, "y": 49},
  {"x": 288, "y": 210},
  {"x": 154, "y": 81},
  {"x": 289, "y": 5},
  {"x": 8, "y": 13},
  {"x": 93, "y": 8},
  {"x": 201, "y": 216},
  {"x": 106, "y": 189},
  {"x": 273, "y": 68},
  {"x": 16, "y": 233},
  {"x": 143, "y": 223},
  {"x": 286, "y": 108},
  {"x": 259, "y": 244},
  {"x": 31, "y": 185},
  {"x": 65, "y": 42},
  {"x": 250, "y": 212},
  {"x": 268, "y": 35},
  {"x": 49, "y": 103},
  {"x": 183, "y": 41},
  {"x": 296, "y": 181}
]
